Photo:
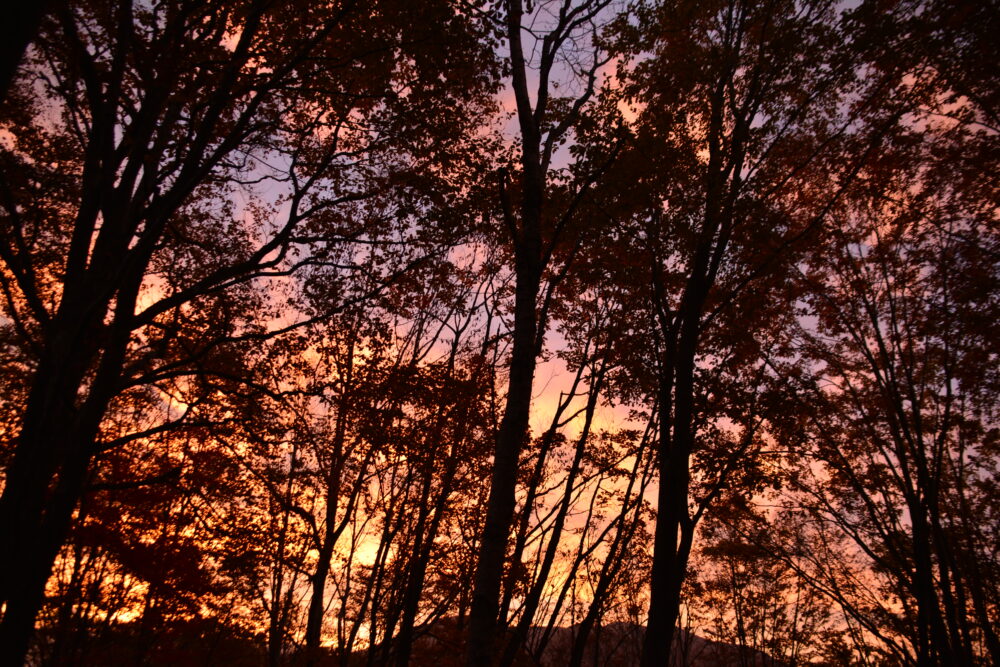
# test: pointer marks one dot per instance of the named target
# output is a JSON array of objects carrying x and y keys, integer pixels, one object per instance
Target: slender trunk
[
  {"x": 412, "y": 598},
  {"x": 674, "y": 526},
  {"x": 548, "y": 439},
  {"x": 933, "y": 646},
  {"x": 535, "y": 594},
  {"x": 503, "y": 482},
  {"x": 524, "y": 522},
  {"x": 317, "y": 600},
  {"x": 412, "y": 574},
  {"x": 612, "y": 563},
  {"x": 277, "y": 614},
  {"x": 410, "y": 567},
  {"x": 375, "y": 588},
  {"x": 659, "y": 624}
]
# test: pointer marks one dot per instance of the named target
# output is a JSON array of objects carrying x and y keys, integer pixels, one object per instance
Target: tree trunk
[
  {"x": 503, "y": 481},
  {"x": 44, "y": 482},
  {"x": 513, "y": 430},
  {"x": 535, "y": 594},
  {"x": 674, "y": 527}
]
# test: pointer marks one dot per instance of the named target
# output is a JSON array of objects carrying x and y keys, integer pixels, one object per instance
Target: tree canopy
[{"x": 649, "y": 332}]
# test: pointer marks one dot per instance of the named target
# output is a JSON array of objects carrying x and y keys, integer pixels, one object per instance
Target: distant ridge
[{"x": 613, "y": 645}]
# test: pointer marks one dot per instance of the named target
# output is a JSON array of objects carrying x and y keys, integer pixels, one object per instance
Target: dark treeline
[{"x": 562, "y": 332}]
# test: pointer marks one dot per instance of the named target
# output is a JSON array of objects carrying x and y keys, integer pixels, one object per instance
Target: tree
[
  {"x": 747, "y": 594},
  {"x": 744, "y": 140},
  {"x": 277, "y": 277},
  {"x": 538, "y": 228},
  {"x": 120, "y": 223},
  {"x": 896, "y": 398},
  {"x": 903, "y": 391}
]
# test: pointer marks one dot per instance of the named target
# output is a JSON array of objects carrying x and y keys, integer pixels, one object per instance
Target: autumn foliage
[{"x": 583, "y": 332}]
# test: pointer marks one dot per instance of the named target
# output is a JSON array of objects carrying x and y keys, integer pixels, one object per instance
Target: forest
[{"x": 651, "y": 333}]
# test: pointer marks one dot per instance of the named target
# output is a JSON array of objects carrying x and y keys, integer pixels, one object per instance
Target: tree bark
[{"x": 513, "y": 429}]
